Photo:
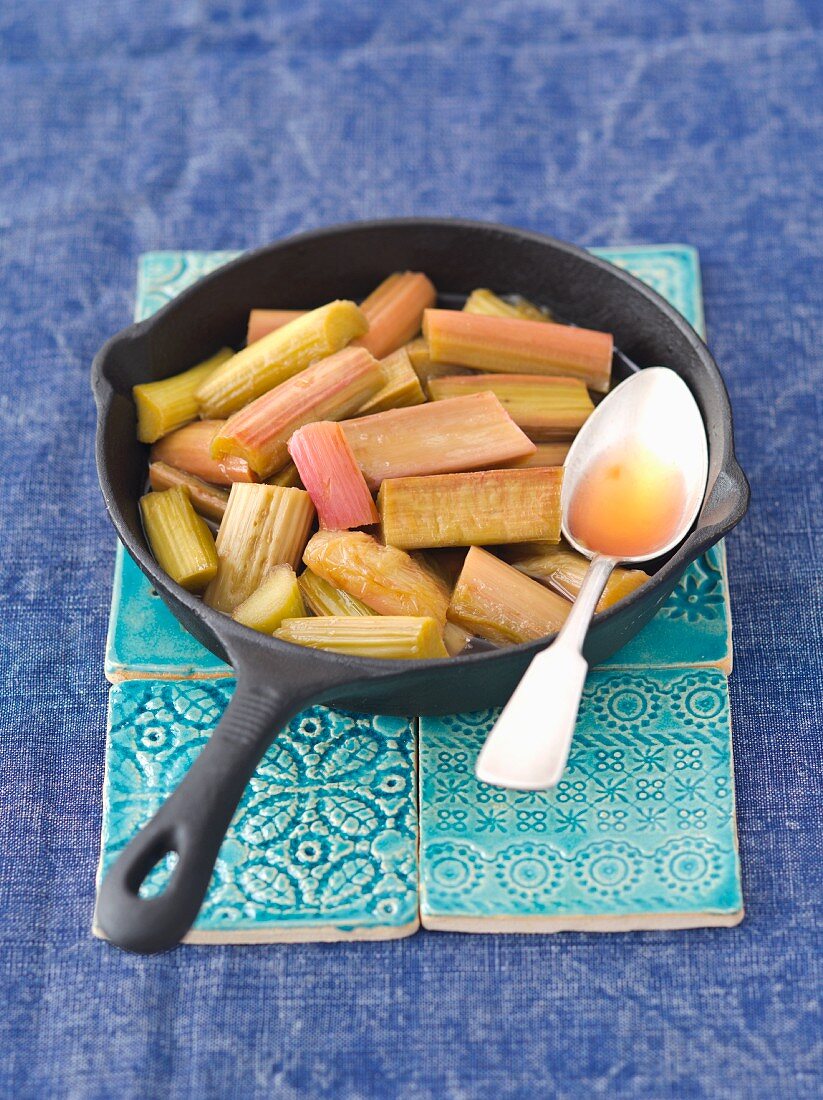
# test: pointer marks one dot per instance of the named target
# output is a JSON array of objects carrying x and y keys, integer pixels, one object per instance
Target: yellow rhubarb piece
[
  {"x": 179, "y": 539},
  {"x": 277, "y": 598},
  {"x": 172, "y": 402},
  {"x": 279, "y": 356},
  {"x": 392, "y": 637}
]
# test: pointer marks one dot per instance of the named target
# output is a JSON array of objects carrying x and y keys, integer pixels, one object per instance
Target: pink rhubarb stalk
[
  {"x": 331, "y": 476},
  {"x": 328, "y": 390}
]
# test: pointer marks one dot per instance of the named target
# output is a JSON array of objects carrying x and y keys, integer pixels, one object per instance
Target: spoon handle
[{"x": 529, "y": 745}]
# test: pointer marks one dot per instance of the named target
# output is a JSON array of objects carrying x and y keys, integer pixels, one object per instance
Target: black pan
[{"x": 275, "y": 680}]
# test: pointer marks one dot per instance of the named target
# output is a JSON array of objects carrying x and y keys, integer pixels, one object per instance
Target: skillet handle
[{"x": 192, "y": 823}]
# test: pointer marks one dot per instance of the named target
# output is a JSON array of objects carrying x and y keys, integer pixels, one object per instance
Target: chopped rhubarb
[
  {"x": 462, "y": 433},
  {"x": 331, "y": 476}
]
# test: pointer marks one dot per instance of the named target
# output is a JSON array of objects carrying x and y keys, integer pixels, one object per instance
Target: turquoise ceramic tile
[
  {"x": 639, "y": 834},
  {"x": 324, "y": 843},
  {"x": 692, "y": 629},
  {"x": 144, "y": 638},
  {"x": 162, "y": 275},
  {"x": 673, "y": 270}
]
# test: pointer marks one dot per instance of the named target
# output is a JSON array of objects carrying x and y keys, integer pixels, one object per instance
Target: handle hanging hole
[
  {"x": 158, "y": 876},
  {"x": 153, "y": 868}
]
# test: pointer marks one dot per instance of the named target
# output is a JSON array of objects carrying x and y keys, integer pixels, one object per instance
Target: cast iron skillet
[{"x": 275, "y": 680}]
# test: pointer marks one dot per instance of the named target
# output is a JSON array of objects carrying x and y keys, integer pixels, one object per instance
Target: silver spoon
[{"x": 643, "y": 457}]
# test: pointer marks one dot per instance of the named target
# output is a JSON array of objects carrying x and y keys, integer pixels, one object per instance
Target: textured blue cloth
[{"x": 126, "y": 127}]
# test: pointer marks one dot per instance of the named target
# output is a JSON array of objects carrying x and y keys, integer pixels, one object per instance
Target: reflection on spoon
[{"x": 634, "y": 482}]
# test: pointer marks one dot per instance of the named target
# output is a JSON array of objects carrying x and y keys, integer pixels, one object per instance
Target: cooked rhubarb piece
[
  {"x": 395, "y": 310},
  {"x": 277, "y": 598},
  {"x": 170, "y": 403},
  {"x": 279, "y": 356},
  {"x": 331, "y": 476},
  {"x": 329, "y": 390},
  {"x": 264, "y": 526},
  {"x": 481, "y": 508},
  {"x": 496, "y": 602},
  {"x": 288, "y": 477},
  {"x": 546, "y": 454},
  {"x": 455, "y": 639},
  {"x": 401, "y": 386},
  {"x": 564, "y": 569},
  {"x": 189, "y": 449},
  {"x": 490, "y": 305},
  {"x": 545, "y": 408},
  {"x": 425, "y": 368},
  {"x": 509, "y": 345},
  {"x": 386, "y": 579},
  {"x": 463, "y": 433},
  {"x": 264, "y": 321},
  {"x": 208, "y": 500},
  {"x": 395, "y": 637},
  {"x": 180, "y": 540},
  {"x": 323, "y": 598},
  {"x": 417, "y": 351}
]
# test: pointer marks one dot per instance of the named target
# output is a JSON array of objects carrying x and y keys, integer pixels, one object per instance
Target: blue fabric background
[{"x": 126, "y": 127}]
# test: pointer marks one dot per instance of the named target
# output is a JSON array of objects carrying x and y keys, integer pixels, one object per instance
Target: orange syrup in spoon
[{"x": 630, "y": 504}]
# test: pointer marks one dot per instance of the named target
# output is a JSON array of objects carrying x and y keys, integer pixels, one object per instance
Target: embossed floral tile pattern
[
  {"x": 324, "y": 843},
  {"x": 642, "y": 824},
  {"x": 693, "y": 627}
]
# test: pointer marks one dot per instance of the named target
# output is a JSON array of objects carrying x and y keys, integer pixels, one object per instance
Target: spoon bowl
[
  {"x": 634, "y": 483},
  {"x": 652, "y": 414}
]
